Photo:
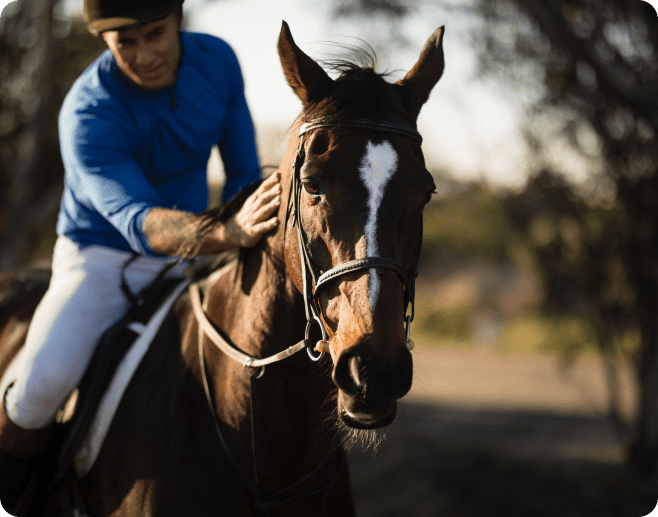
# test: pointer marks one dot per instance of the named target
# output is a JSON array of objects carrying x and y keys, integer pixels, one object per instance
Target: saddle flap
[{"x": 112, "y": 348}]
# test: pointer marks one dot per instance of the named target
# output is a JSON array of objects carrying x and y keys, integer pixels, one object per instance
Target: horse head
[{"x": 358, "y": 185}]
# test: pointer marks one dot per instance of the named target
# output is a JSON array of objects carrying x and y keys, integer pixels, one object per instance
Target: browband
[{"x": 362, "y": 123}]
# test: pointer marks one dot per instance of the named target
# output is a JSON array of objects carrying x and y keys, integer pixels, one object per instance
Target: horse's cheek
[{"x": 293, "y": 266}]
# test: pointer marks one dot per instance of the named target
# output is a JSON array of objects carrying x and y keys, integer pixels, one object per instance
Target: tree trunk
[
  {"x": 644, "y": 449},
  {"x": 30, "y": 30},
  {"x": 614, "y": 398}
]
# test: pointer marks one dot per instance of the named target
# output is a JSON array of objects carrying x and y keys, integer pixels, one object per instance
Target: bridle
[{"x": 311, "y": 276}]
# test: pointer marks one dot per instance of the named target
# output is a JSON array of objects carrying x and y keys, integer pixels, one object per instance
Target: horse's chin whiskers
[{"x": 365, "y": 439}]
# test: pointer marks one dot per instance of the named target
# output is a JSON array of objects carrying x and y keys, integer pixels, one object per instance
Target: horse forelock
[{"x": 358, "y": 92}]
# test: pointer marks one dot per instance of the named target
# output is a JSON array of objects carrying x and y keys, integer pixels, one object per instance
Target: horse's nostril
[
  {"x": 359, "y": 374},
  {"x": 357, "y": 370},
  {"x": 348, "y": 373}
]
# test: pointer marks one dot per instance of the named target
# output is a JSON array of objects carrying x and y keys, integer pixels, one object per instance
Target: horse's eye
[{"x": 311, "y": 187}]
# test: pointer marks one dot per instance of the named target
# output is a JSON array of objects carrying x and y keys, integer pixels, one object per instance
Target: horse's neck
[
  {"x": 254, "y": 299},
  {"x": 255, "y": 303}
]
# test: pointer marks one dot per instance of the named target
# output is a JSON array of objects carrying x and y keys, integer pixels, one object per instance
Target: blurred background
[{"x": 536, "y": 384}]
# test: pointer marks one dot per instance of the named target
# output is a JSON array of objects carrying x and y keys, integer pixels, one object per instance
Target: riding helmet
[{"x": 107, "y": 15}]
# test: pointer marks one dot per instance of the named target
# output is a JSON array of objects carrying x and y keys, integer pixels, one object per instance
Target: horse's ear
[
  {"x": 309, "y": 81},
  {"x": 427, "y": 71}
]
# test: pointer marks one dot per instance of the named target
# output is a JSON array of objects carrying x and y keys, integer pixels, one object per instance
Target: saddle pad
[{"x": 93, "y": 440}]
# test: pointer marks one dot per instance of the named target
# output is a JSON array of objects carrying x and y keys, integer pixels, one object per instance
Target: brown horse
[{"x": 338, "y": 271}]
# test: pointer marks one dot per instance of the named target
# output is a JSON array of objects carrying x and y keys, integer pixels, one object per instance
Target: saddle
[
  {"x": 148, "y": 323},
  {"x": 112, "y": 348}
]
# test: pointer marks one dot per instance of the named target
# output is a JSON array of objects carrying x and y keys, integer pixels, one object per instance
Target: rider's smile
[{"x": 148, "y": 55}]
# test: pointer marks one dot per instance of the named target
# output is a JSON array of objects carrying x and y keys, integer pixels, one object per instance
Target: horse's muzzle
[{"x": 369, "y": 386}]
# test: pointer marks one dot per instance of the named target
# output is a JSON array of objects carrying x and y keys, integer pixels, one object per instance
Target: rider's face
[{"x": 148, "y": 55}]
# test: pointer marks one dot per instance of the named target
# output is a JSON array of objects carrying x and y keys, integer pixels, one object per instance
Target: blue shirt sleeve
[
  {"x": 126, "y": 151},
  {"x": 104, "y": 174}
]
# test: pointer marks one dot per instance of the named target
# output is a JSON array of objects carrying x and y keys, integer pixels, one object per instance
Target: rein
[
  {"x": 262, "y": 501},
  {"x": 247, "y": 361},
  {"x": 311, "y": 275}
]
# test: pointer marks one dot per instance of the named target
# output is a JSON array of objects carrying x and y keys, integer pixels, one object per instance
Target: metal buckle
[
  {"x": 248, "y": 364},
  {"x": 309, "y": 349},
  {"x": 410, "y": 343}
]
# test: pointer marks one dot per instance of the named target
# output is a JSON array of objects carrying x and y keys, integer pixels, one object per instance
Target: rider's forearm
[{"x": 171, "y": 232}]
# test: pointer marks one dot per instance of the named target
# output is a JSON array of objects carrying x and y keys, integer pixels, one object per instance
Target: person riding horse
[{"x": 136, "y": 130}]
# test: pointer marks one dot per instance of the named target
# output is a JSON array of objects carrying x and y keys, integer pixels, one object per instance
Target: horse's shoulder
[{"x": 221, "y": 280}]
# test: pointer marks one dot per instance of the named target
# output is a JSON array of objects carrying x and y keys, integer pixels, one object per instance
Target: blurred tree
[
  {"x": 598, "y": 65},
  {"x": 384, "y": 17},
  {"x": 578, "y": 248},
  {"x": 41, "y": 53},
  {"x": 587, "y": 71},
  {"x": 26, "y": 49},
  {"x": 468, "y": 221}
]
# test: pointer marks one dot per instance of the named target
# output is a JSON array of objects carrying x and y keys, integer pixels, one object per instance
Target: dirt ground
[{"x": 483, "y": 434}]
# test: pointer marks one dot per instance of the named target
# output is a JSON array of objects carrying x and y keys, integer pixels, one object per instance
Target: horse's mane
[
  {"x": 358, "y": 92},
  {"x": 211, "y": 218}
]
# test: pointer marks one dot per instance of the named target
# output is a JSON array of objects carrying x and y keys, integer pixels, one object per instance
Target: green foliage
[
  {"x": 578, "y": 248},
  {"x": 538, "y": 333},
  {"x": 566, "y": 336},
  {"x": 446, "y": 324},
  {"x": 471, "y": 221}
]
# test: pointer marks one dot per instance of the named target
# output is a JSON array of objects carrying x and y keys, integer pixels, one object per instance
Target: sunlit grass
[
  {"x": 537, "y": 333},
  {"x": 534, "y": 333},
  {"x": 453, "y": 324}
]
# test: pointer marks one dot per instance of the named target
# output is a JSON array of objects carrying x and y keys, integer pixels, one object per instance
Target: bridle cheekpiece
[{"x": 310, "y": 273}]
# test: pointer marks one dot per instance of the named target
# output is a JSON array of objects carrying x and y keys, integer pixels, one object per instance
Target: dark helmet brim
[{"x": 111, "y": 23}]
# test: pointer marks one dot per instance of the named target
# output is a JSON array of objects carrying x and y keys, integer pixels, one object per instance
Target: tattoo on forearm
[
  {"x": 182, "y": 234},
  {"x": 169, "y": 231}
]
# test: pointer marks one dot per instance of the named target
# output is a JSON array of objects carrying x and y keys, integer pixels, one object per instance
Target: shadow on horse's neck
[
  {"x": 254, "y": 301},
  {"x": 252, "y": 298}
]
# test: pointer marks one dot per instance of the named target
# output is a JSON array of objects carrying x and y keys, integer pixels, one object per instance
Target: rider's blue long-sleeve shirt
[{"x": 126, "y": 150}]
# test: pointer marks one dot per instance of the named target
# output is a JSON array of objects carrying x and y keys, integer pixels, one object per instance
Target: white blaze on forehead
[{"x": 377, "y": 167}]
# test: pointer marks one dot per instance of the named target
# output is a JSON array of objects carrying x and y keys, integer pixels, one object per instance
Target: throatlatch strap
[{"x": 207, "y": 327}]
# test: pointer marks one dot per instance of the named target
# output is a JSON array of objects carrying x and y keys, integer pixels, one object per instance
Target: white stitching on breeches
[{"x": 84, "y": 299}]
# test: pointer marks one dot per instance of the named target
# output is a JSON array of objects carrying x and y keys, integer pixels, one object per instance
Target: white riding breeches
[{"x": 83, "y": 300}]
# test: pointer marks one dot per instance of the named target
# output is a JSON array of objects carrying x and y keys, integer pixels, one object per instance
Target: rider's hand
[{"x": 257, "y": 216}]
